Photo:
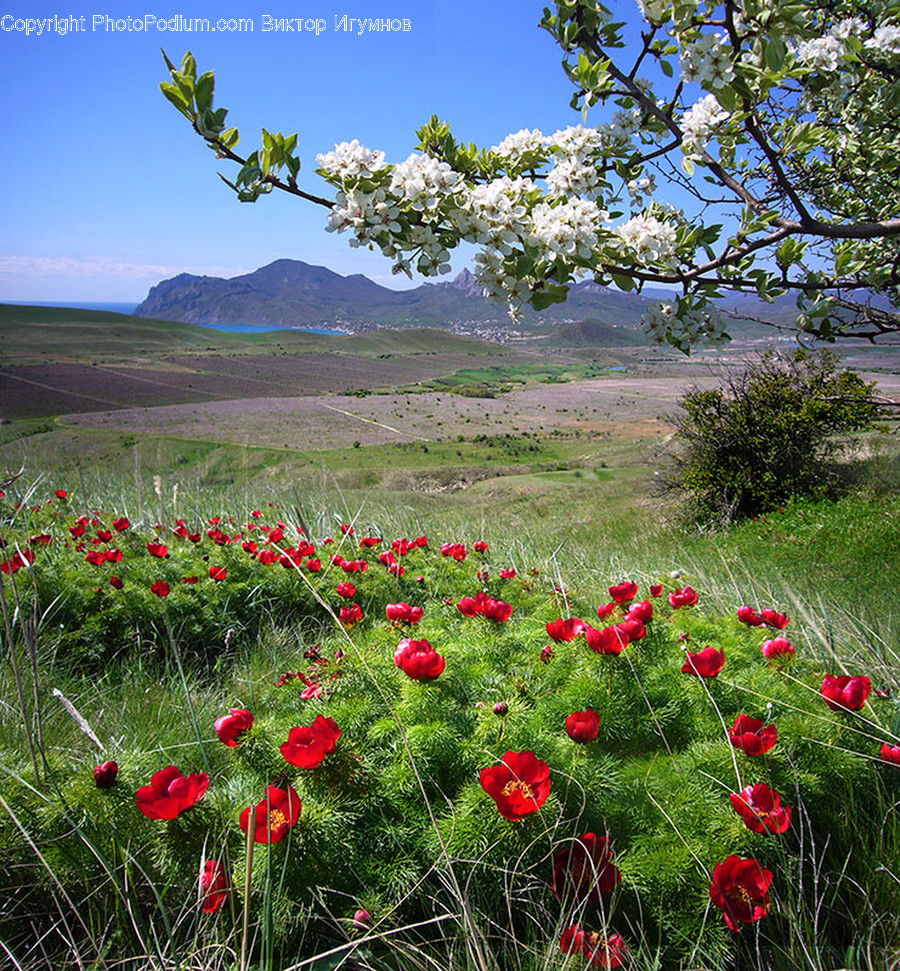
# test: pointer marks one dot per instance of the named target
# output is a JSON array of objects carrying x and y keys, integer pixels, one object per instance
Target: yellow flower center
[
  {"x": 277, "y": 818},
  {"x": 740, "y": 893},
  {"x": 515, "y": 785}
]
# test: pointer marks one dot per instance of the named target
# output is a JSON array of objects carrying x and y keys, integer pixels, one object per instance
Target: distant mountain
[{"x": 289, "y": 292}]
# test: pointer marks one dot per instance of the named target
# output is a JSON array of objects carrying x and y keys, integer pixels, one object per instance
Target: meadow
[{"x": 540, "y": 728}]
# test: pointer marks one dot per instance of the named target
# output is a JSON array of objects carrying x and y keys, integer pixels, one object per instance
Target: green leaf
[
  {"x": 666, "y": 68},
  {"x": 548, "y": 296},
  {"x": 203, "y": 91},
  {"x": 178, "y": 98}
]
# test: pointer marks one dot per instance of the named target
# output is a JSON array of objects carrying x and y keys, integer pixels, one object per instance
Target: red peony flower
[
  {"x": 419, "y": 660},
  {"x": 642, "y": 611},
  {"x": 890, "y": 754},
  {"x": 456, "y": 550},
  {"x": 585, "y": 870},
  {"x": 346, "y": 589},
  {"x": 760, "y": 808},
  {"x": 480, "y": 546},
  {"x": 519, "y": 785},
  {"x": 632, "y": 629},
  {"x": 116, "y": 583},
  {"x": 105, "y": 774},
  {"x": 307, "y": 746},
  {"x": 656, "y": 589},
  {"x": 604, "y": 610},
  {"x": 346, "y": 529},
  {"x": 160, "y": 588},
  {"x": 274, "y": 816},
  {"x": 61, "y": 494},
  {"x": 213, "y": 887},
  {"x": 314, "y": 565},
  {"x": 403, "y": 613},
  {"x": 497, "y": 610},
  {"x": 740, "y": 888},
  {"x": 565, "y": 629},
  {"x": 583, "y": 726},
  {"x": 623, "y": 592},
  {"x": 600, "y": 952},
  {"x": 218, "y": 573},
  {"x": 773, "y": 619},
  {"x": 846, "y": 693},
  {"x": 777, "y": 648},
  {"x": 362, "y": 919},
  {"x": 610, "y": 640},
  {"x": 170, "y": 793},
  {"x": 706, "y": 663},
  {"x": 351, "y": 615},
  {"x": 190, "y": 580},
  {"x": 683, "y": 598},
  {"x": 747, "y": 615},
  {"x": 232, "y": 726},
  {"x": 752, "y": 736},
  {"x": 157, "y": 549}
]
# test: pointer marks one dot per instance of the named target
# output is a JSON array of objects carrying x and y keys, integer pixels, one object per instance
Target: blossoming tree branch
[{"x": 779, "y": 119}]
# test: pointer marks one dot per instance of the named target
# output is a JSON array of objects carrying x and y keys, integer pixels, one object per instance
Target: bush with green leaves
[{"x": 769, "y": 435}]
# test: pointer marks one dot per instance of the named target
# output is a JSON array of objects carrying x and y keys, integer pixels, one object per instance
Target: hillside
[{"x": 293, "y": 293}]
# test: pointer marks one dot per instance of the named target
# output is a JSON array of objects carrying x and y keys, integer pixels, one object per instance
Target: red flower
[
  {"x": 519, "y": 785},
  {"x": 480, "y": 546},
  {"x": 419, "y": 660},
  {"x": 190, "y": 580},
  {"x": 585, "y": 870},
  {"x": 170, "y": 793},
  {"x": 96, "y": 557},
  {"x": 683, "y": 598},
  {"x": 632, "y": 628},
  {"x": 760, "y": 808},
  {"x": 601, "y": 952},
  {"x": 346, "y": 589},
  {"x": 623, "y": 592},
  {"x": 346, "y": 529},
  {"x": 740, "y": 888},
  {"x": 508, "y": 574},
  {"x": 752, "y": 736},
  {"x": 232, "y": 726},
  {"x": 351, "y": 615},
  {"x": 583, "y": 726},
  {"x": 642, "y": 611},
  {"x": 846, "y": 693},
  {"x": 313, "y": 565},
  {"x": 890, "y": 754},
  {"x": 565, "y": 629},
  {"x": 157, "y": 549},
  {"x": 456, "y": 550},
  {"x": 160, "y": 588},
  {"x": 773, "y": 619},
  {"x": 361, "y": 919},
  {"x": 116, "y": 583},
  {"x": 747, "y": 615},
  {"x": 656, "y": 589},
  {"x": 308, "y": 745},
  {"x": 777, "y": 648},
  {"x": 403, "y": 613},
  {"x": 547, "y": 654},
  {"x": 113, "y": 555},
  {"x": 604, "y": 610},
  {"x": 40, "y": 539},
  {"x": 213, "y": 886},
  {"x": 61, "y": 494},
  {"x": 105, "y": 774},
  {"x": 706, "y": 663},
  {"x": 369, "y": 541},
  {"x": 497, "y": 610},
  {"x": 610, "y": 640},
  {"x": 274, "y": 816}
]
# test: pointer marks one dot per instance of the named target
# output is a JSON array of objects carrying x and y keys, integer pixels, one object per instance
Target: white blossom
[
  {"x": 569, "y": 229},
  {"x": 886, "y": 39},
  {"x": 822, "y": 53},
  {"x": 698, "y": 124},
  {"x": 423, "y": 181},
  {"x": 707, "y": 61},
  {"x": 514, "y": 146},
  {"x": 350, "y": 159},
  {"x": 694, "y": 325},
  {"x": 571, "y": 177},
  {"x": 650, "y": 239}
]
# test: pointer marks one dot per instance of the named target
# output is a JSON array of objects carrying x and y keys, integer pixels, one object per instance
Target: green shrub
[{"x": 769, "y": 435}]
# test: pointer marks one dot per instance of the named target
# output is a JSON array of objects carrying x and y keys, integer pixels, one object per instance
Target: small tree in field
[{"x": 768, "y": 435}]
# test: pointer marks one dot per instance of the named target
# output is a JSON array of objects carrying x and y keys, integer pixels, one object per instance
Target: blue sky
[{"x": 107, "y": 190}]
